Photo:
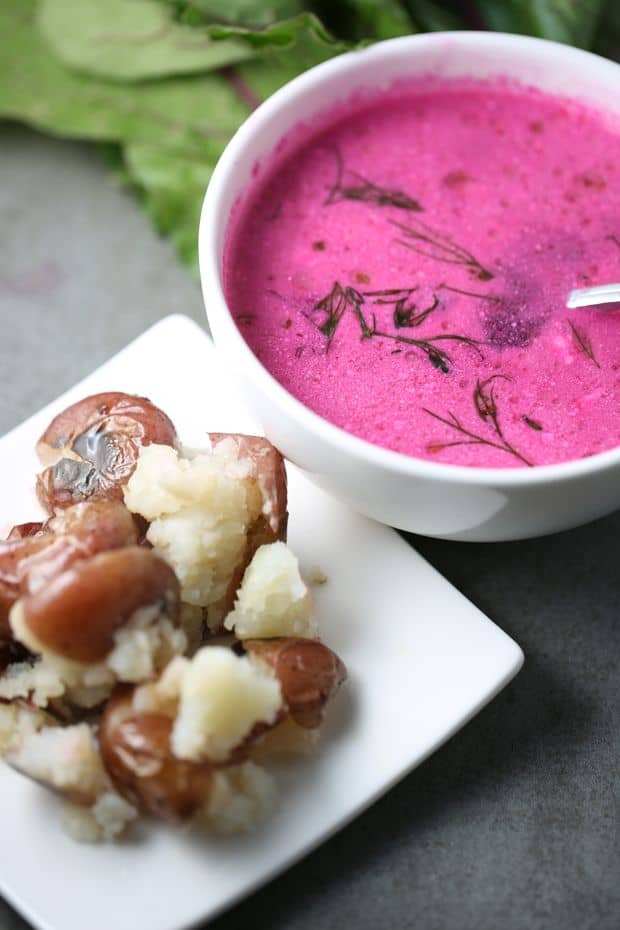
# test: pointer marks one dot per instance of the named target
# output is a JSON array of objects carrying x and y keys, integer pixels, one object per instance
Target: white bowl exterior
[{"x": 447, "y": 501}]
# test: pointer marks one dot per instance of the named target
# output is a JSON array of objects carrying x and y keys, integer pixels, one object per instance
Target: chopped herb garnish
[
  {"x": 485, "y": 405},
  {"x": 333, "y": 306},
  {"x": 423, "y": 239},
  {"x": 459, "y": 290},
  {"x": 349, "y": 185},
  {"x": 584, "y": 343},
  {"x": 406, "y": 312}
]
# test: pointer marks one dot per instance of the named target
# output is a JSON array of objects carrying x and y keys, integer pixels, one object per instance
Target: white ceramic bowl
[{"x": 448, "y": 501}]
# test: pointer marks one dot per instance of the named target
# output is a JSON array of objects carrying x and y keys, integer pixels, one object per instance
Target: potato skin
[
  {"x": 8, "y": 595},
  {"x": 91, "y": 448},
  {"x": 35, "y": 553},
  {"x": 78, "y": 612},
  {"x": 309, "y": 673},
  {"x": 269, "y": 471},
  {"x": 14, "y": 556},
  {"x": 24, "y": 530},
  {"x": 136, "y": 753}
]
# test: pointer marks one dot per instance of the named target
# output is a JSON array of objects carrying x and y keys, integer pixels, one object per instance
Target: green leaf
[
  {"x": 279, "y": 23},
  {"x": 608, "y": 37},
  {"x": 195, "y": 112},
  {"x": 280, "y": 34},
  {"x": 570, "y": 21},
  {"x": 112, "y": 155},
  {"x": 128, "y": 40},
  {"x": 254, "y": 14},
  {"x": 366, "y": 19},
  {"x": 275, "y": 66},
  {"x": 172, "y": 186},
  {"x": 435, "y": 17},
  {"x": 172, "y": 181},
  {"x": 276, "y": 23},
  {"x": 172, "y": 131}
]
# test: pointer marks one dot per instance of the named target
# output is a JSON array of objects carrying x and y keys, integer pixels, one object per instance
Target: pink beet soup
[{"x": 403, "y": 269}]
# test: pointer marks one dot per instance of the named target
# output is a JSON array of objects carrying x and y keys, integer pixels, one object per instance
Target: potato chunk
[
  {"x": 273, "y": 599},
  {"x": 223, "y": 697}
]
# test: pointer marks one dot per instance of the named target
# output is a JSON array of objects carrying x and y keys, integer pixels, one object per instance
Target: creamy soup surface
[{"x": 403, "y": 272}]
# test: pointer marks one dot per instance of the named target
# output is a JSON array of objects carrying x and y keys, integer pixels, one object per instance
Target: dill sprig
[
  {"x": 459, "y": 290},
  {"x": 334, "y": 305},
  {"x": 357, "y": 187},
  {"x": 423, "y": 239},
  {"x": 485, "y": 404},
  {"x": 405, "y": 314},
  {"x": 584, "y": 343}
]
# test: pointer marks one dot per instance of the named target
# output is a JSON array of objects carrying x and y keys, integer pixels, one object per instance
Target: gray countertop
[{"x": 514, "y": 823}]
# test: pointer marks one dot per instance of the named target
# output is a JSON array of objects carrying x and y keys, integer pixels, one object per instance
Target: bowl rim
[{"x": 221, "y": 319}]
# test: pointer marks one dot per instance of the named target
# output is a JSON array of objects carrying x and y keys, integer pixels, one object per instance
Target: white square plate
[{"x": 422, "y": 661}]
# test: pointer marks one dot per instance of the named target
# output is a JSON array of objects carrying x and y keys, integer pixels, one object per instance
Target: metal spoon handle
[{"x": 592, "y": 296}]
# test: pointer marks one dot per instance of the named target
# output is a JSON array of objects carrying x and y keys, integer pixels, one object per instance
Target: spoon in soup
[{"x": 593, "y": 296}]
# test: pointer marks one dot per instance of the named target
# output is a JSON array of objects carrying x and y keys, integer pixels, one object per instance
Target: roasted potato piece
[
  {"x": 212, "y": 511},
  {"x": 308, "y": 671},
  {"x": 19, "y": 719},
  {"x": 77, "y": 613},
  {"x": 91, "y": 447},
  {"x": 64, "y": 759},
  {"x": 24, "y": 530},
  {"x": 272, "y": 599},
  {"x": 9, "y": 592},
  {"x": 269, "y": 472},
  {"x": 13, "y": 553},
  {"x": 137, "y": 755},
  {"x": 30, "y": 560}
]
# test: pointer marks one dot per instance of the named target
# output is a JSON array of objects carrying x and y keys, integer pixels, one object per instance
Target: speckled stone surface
[{"x": 514, "y": 824}]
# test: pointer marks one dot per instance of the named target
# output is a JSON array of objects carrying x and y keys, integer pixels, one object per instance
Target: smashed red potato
[
  {"x": 91, "y": 448},
  {"x": 24, "y": 530},
  {"x": 86, "y": 589},
  {"x": 76, "y": 615},
  {"x": 308, "y": 671},
  {"x": 136, "y": 751},
  {"x": 35, "y": 553},
  {"x": 269, "y": 471},
  {"x": 138, "y": 746}
]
